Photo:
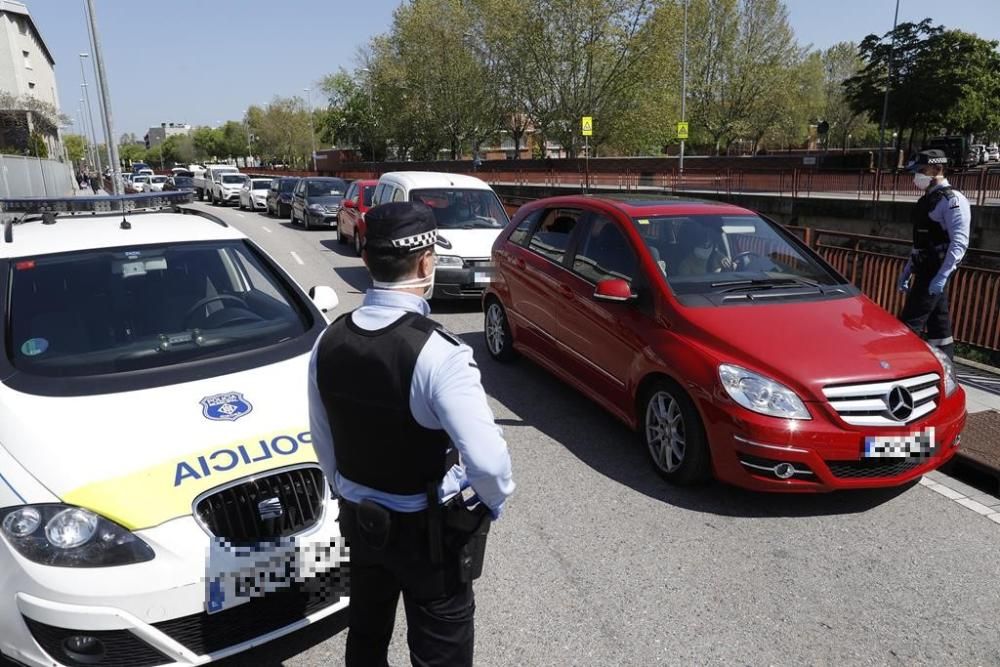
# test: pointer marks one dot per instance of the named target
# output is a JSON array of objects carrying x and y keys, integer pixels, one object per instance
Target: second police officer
[
  {"x": 394, "y": 400},
  {"x": 941, "y": 220}
]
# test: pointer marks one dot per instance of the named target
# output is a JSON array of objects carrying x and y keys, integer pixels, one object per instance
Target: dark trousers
[
  {"x": 928, "y": 312},
  {"x": 440, "y": 610}
]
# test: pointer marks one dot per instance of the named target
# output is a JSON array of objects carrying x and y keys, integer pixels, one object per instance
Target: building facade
[{"x": 157, "y": 135}]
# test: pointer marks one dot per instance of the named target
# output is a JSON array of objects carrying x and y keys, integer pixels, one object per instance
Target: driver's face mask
[{"x": 703, "y": 252}]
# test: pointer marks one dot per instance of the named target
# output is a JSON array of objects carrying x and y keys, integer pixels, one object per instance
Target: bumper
[
  {"x": 153, "y": 613},
  {"x": 322, "y": 219},
  {"x": 258, "y": 204},
  {"x": 230, "y": 198},
  {"x": 467, "y": 283},
  {"x": 825, "y": 454}
]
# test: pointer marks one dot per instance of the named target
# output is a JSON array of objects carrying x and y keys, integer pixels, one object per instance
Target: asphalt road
[{"x": 599, "y": 562}]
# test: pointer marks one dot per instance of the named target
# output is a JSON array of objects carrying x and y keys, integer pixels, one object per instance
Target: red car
[
  {"x": 351, "y": 217},
  {"x": 724, "y": 341}
]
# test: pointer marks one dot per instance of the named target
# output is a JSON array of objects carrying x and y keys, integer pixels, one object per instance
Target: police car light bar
[{"x": 98, "y": 204}]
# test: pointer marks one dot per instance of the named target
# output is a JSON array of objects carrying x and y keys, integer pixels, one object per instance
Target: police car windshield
[
  {"x": 102, "y": 312},
  {"x": 463, "y": 209},
  {"x": 700, "y": 254}
]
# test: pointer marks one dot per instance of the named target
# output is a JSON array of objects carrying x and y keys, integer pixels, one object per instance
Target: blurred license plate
[
  {"x": 481, "y": 277},
  {"x": 236, "y": 574},
  {"x": 914, "y": 445}
]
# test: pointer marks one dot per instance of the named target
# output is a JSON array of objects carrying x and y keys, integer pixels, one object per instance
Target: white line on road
[
  {"x": 240, "y": 215},
  {"x": 296, "y": 257},
  {"x": 266, "y": 229}
]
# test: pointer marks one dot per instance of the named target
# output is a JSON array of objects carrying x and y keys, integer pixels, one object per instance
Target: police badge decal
[{"x": 228, "y": 406}]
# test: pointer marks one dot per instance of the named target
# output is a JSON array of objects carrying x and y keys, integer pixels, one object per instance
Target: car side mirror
[
  {"x": 613, "y": 290},
  {"x": 324, "y": 297},
  {"x": 349, "y": 204}
]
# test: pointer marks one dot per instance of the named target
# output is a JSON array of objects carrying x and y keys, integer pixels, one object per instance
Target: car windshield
[
  {"x": 183, "y": 181},
  {"x": 367, "y": 193},
  {"x": 700, "y": 254},
  {"x": 463, "y": 209},
  {"x": 102, "y": 312},
  {"x": 331, "y": 188},
  {"x": 288, "y": 185},
  {"x": 158, "y": 179},
  {"x": 259, "y": 184},
  {"x": 233, "y": 178}
]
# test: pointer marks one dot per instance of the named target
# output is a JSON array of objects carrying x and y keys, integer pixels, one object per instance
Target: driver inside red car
[{"x": 698, "y": 252}]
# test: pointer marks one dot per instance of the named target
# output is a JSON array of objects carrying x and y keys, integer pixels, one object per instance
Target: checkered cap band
[
  {"x": 937, "y": 160},
  {"x": 417, "y": 241}
]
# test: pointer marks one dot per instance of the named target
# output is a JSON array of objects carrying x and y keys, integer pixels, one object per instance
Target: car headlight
[
  {"x": 67, "y": 536},
  {"x": 948, "y": 370},
  {"x": 761, "y": 394},
  {"x": 448, "y": 261},
  {"x": 315, "y": 208}
]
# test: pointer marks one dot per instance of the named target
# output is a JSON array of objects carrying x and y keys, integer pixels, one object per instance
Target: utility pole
[
  {"x": 684, "y": 81},
  {"x": 105, "y": 99},
  {"x": 88, "y": 135},
  {"x": 312, "y": 131},
  {"x": 369, "y": 87},
  {"x": 885, "y": 98},
  {"x": 90, "y": 111}
]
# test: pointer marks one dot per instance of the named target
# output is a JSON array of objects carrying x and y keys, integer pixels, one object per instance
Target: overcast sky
[{"x": 204, "y": 62}]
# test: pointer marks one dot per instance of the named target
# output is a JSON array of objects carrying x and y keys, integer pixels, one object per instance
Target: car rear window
[
  {"x": 552, "y": 236},
  {"x": 104, "y": 312}
]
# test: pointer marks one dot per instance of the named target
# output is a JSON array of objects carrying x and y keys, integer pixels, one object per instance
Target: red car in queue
[
  {"x": 351, "y": 217},
  {"x": 729, "y": 345}
]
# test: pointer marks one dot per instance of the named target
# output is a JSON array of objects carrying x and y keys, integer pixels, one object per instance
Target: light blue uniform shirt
[
  {"x": 445, "y": 393},
  {"x": 954, "y": 216}
]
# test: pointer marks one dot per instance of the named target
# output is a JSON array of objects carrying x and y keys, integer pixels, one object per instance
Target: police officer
[
  {"x": 940, "y": 238},
  {"x": 394, "y": 400}
]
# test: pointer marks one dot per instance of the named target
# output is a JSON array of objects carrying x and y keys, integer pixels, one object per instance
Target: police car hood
[{"x": 141, "y": 458}]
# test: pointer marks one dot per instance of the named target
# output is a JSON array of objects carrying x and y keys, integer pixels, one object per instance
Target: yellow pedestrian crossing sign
[
  {"x": 588, "y": 126},
  {"x": 682, "y": 130}
]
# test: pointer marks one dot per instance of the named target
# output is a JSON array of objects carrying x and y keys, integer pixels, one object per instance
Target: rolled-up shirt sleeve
[
  {"x": 458, "y": 401},
  {"x": 319, "y": 428},
  {"x": 956, "y": 217}
]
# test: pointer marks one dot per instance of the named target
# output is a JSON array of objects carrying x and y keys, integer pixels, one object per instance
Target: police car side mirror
[{"x": 324, "y": 297}]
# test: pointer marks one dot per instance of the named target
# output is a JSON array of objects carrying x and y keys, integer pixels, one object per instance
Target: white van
[{"x": 469, "y": 219}]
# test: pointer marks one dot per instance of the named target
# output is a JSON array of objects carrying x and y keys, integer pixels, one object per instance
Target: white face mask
[
  {"x": 703, "y": 253},
  {"x": 922, "y": 181},
  {"x": 427, "y": 283}
]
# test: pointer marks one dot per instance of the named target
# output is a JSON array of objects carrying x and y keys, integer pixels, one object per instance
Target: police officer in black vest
[
  {"x": 941, "y": 221},
  {"x": 402, "y": 429}
]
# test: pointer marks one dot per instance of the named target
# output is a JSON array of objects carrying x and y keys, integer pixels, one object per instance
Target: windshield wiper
[{"x": 763, "y": 283}]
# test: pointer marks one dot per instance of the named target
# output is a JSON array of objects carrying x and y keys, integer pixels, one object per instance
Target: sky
[{"x": 205, "y": 61}]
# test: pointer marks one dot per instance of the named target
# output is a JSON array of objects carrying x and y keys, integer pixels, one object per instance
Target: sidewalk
[{"x": 980, "y": 449}]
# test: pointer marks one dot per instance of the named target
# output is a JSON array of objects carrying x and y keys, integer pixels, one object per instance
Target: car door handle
[{"x": 520, "y": 263}]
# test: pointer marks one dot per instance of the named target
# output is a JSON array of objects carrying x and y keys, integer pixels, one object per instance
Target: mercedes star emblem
[{"x": 899, "y": 400}]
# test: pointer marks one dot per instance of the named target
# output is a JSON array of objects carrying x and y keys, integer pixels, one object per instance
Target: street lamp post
[
  {"x": 312, "y": 130},
  {"x": 90, "y": 112},
  {"x": 885, "y": 98},
  {"x": 684, "y": 78},
  {"x": 246, "y": 131},
  {"x": 369, "y": 87},
  {"x": 105, "y": 100}
]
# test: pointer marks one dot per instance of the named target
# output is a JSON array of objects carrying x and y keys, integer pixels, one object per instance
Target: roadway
[{"x": 597, "y": 561}]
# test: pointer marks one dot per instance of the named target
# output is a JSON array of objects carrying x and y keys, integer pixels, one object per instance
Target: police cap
[
  {"x": 399, "y": 228},
  {"x": 929, "y": 156}
]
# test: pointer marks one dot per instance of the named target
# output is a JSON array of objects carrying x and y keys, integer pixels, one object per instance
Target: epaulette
[{"x": 449, "y": 336}]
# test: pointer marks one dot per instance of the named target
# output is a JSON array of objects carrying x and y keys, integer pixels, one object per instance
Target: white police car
[{"x": 160, "y": 502}]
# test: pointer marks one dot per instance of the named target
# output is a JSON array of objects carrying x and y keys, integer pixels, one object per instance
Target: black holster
[{"x": 465, "y": 534}]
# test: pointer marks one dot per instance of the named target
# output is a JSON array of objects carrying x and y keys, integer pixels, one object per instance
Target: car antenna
[{"x": 125, "y": 223}]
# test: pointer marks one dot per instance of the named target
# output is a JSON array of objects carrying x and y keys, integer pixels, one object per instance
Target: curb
[
  {"x": 979, "y": 365},
  {"x": 980, "y": 469}
]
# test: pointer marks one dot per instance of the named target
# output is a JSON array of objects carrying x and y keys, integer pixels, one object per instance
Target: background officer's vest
[
  {"x": 364, "y": 380},
  {"x": 927, "y": 233}
]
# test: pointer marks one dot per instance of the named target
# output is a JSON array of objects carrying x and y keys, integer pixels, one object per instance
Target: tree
[
  {"x": 38, "y": 146},
  {"x": 131, "y": 152},
  {"x": 282, "y": 130},
  {"x": 841, "y": 62},
  {"x": 76, "y": 147}
]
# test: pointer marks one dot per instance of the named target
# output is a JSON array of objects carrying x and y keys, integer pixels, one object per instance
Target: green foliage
[
  {"x": 131, "y": 152},
  {"x": 76, "y": 147},
  {"x": 38, "y": 146},
  {"x": 280, "y": 131}
]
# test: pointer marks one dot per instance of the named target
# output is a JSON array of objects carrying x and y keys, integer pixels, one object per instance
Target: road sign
[
  {"x": 588, "y": 126},
  {"x": 682, "y": 130}
]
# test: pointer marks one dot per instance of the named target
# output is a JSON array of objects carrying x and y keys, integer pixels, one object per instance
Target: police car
[{"x": 160, "y": 501}]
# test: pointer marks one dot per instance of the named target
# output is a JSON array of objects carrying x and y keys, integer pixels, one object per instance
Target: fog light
[
  {"x": 784, "y": 470},
  {"x": 84, "y": 648}
]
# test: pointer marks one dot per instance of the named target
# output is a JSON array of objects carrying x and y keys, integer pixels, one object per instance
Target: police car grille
[
  {"x": 206, "y": 633},
  {"x": 234, "y": 512},
  {"x": 121, "y": 647}
]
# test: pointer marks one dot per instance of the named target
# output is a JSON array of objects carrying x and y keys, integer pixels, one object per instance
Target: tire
[
  {"x": 496, "y": 330},
  {"x": 284, "y": 211},
  {"x": 340, "y": 233},
  {"x": 671, "y": 431},
  {"x": 305, "y": 221},
  {"x": 357, "y": 242}
]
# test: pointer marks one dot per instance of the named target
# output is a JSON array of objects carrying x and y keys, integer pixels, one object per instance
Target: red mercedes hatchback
[{"x": 724, "y": 341}]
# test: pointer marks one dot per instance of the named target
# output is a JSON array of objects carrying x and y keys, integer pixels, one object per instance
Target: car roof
[
  {"x": 89, "y": 232},
  {"x": 637, "y": 206},
  {"x": 412, "y": 180}
]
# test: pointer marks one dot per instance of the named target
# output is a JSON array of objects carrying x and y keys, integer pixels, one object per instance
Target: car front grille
[
  {"x": 868, "y": 404},
  {"x": 874, "y": 467},
  {"x": 235, "y": 512},
  {"x": 121, "y": 647},
  {"x": 205, "y": 633}
]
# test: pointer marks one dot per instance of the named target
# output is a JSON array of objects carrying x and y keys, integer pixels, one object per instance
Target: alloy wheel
[
  {"x": 665, "y": 433},
  {"x": 495, "y": 325}
]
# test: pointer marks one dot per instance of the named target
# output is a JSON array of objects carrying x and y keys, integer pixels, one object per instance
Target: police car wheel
[
  {"x": 671, "y": 430},
  {"x": 499, "y": 340}
]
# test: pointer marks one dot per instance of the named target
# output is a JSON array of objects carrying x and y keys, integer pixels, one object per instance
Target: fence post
[
  {"x": 981, "y": 188},
  {"x": 807, "y": 236},
  {"x": 3, "y": 170}
]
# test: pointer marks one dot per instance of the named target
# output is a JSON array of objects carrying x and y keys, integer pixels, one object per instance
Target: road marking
[
  {"x": 266, "y": 229},
  {"x": 240, "y": 215},
  {"x": 296, "y": 257},
  {"x": 960, "y": 498}
]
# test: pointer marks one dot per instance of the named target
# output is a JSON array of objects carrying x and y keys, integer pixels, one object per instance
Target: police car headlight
[
  {"x": 66, "y": 536},
  {"x": 448, "y": 261},
  {"x": 947, "y": 370},
  {"x": 761, "y": 394}
]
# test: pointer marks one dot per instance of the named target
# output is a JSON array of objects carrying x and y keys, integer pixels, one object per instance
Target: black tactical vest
[
  {"x": 927, "y": 233},
  {"x": 364, "y": 379}
]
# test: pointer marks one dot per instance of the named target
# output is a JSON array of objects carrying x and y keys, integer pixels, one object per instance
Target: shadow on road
[
  {"x": 342, "y": 249},
  {"x": 275, "y": 653},
  {"x": 355, "y": 276},
  {"x": 612, "y": 449}
]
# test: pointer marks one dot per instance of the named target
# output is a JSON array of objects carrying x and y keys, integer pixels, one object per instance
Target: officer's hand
[
  {"x": 937, "y": 285},
  {"x": 904, "y": 280}
]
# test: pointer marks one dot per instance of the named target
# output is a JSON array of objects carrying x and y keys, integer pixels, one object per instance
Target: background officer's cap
[
  {"x": 930, "y": 156},
  {"x": 400, "y": 228}
]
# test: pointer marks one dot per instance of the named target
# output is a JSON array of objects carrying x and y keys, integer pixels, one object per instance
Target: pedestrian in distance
[
  {"x": 94, "y": 185},
  {"x": 406, "y": 438},
  {"x": 941, "y": 220}
]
